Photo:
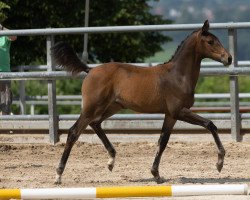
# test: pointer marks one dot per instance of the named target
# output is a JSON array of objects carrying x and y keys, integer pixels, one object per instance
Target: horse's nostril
[{"x": 229, "y": 59}]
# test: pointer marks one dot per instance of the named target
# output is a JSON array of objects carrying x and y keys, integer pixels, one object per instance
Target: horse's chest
[
  {"x": 175, "y": 103},
  {"x": 189, "y": 101},
  {"x": 186, "y": 99}
]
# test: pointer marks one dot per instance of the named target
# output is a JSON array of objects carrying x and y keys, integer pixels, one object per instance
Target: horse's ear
[{"x": 205, "y": 27}]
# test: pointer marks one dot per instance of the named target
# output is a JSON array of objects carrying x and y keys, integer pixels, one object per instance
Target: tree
[
  {"x": 3, "y": 8},
  {"x": 125, "y": 47},
  {"x": 129, "y": 47}
]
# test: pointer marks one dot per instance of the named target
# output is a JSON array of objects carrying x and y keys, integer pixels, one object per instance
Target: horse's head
[{"x": 209, "y": 46}]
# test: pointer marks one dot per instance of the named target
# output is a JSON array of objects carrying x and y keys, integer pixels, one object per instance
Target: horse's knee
[
  {"x": 73, "y": 135},
  {"x": 72, "y": 138},
  {"x": 211, "y": 127}
]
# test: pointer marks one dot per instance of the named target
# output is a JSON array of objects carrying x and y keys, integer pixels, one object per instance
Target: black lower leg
[
  {"x": 72, "y": 138},
  {"x": 192, "y": 118},
  {"x": 221, "y": 151},
  {"x": 162, "y": 143},
  {"x": 111, "y": 150},
  {"x": 64, "y": 160}
]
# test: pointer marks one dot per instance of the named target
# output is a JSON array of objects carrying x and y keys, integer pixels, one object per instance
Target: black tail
[{"x": 65, "y": 56}]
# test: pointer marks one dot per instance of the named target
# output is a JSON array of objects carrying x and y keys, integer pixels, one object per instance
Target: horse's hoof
[
  {"x": 58, "y": 180},
  {"x": 159, "y": 180},
  {"x": 111, "y": 163},
  {"x": 110, "y": 167},
  {"x": 157, "y": 177},
  {"x": 57, "y": 183},
  {"x": 219, "y": 166}
]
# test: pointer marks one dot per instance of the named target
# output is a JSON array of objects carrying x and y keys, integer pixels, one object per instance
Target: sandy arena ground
[{"x": 183, "y": 162}]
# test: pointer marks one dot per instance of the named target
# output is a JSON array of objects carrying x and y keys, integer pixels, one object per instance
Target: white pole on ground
[
  {"x": 198, "y": 190},
  {"x": 124, "y": 191}
]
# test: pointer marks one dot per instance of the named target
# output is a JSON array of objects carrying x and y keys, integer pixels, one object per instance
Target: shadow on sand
[{"x": 184, "y": 180}]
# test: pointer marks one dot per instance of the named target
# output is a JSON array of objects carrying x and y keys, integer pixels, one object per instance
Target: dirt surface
[{"x": 33, "y": 165}]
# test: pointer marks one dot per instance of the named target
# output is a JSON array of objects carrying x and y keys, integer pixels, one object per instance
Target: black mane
[{"x": 178, "y": 48}]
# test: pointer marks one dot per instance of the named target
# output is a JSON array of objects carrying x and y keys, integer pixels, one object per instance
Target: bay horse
[{"x": 166, "y": 88}]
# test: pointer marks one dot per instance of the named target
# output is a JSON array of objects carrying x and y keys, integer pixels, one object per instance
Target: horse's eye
[{"x": 211, "y": 42}]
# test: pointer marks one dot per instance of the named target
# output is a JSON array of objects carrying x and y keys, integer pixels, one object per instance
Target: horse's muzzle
[{"x": 226, "y": 60}]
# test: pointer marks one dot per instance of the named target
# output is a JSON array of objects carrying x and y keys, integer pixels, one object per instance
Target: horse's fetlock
[
  {"x": 222, "y": 152},
  {"x": 112, "y": 152},
  {"x": 154, "y": 171},
  {"x": 60, "y": 170},
  {"x": 72, "y": 138}
]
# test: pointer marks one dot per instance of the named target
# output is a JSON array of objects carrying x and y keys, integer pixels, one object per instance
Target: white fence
[{"x": 236, "y": 69}]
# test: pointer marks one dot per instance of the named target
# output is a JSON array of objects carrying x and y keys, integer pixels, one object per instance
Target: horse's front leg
[
  {"x": 192, "y": 118},
  {"x": 162, "y": 143}
]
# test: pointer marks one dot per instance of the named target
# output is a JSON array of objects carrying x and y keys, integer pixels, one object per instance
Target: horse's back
[
  {"x": 115, "y": 71},
  {"x": 118, "y": 68}
]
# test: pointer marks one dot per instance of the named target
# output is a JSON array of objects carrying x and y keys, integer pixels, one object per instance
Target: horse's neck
[{"x": 186, "y": 64}]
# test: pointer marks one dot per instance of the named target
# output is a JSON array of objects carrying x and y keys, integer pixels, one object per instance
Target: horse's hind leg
[
  {"x": 73, "y": 135},
  {"x": 192, "y": 118},
  {"x": 96, "y": 126},
  {"x": 162, "y": 143},
  {"x": 111, "y": 151}
]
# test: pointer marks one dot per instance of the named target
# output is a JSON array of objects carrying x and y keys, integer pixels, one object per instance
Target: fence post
[
  {"x": 86, "y": 24},
  {"x": 22, "y": 99},
  {"x": 234, "y": 89},
  {"x": 32, "y": 109},
  {"x": 53, "y": 117}
]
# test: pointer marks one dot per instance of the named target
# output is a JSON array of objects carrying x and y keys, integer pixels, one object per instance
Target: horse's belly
[{"x": 142, "y": 106}]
